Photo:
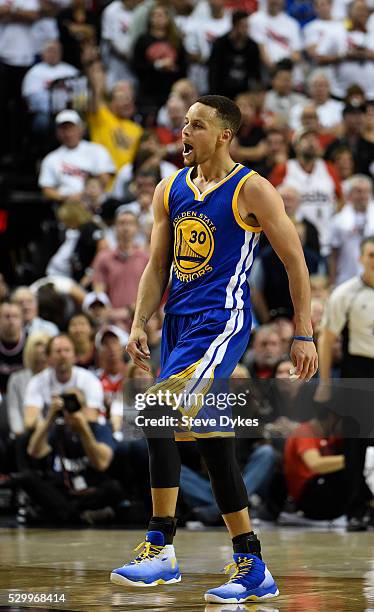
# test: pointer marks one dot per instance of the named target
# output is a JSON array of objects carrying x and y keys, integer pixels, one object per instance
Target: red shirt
[
  {"x": 303, "y": 439},
  {"x": 120, "y": 274}
]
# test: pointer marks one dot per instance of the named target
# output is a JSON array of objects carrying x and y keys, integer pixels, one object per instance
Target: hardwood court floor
[{"x": 315, "y": 571}]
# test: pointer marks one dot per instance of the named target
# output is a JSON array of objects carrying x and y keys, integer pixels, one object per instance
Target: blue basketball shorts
[{"x": 198, "y": 354}]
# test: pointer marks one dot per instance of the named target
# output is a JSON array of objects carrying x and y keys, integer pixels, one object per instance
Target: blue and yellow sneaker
[
  {"x": 251, "y": 581},
  {"x": 156, "y": 564}
]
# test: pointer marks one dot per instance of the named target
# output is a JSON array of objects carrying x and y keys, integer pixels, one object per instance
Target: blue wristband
[{"x": 304, "y": 338}]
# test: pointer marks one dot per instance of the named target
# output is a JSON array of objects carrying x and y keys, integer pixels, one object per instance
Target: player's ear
[{"x": 226, "y": 136}]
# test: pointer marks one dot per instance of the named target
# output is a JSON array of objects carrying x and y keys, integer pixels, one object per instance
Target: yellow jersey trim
[
  {"x": 200, "y": 196},
  {"x": 167, "y": 190},
  {"x": 235, "y": 209}
]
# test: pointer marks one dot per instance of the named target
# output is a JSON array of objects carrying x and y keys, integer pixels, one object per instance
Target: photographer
[
  {"x": 61, "y": 375},
  {"x": 79, "y": 451}
]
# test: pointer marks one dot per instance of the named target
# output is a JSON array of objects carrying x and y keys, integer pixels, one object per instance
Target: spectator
[
  {"x": 353, "y": 117},
  {"x": 12, "y": 342},
  {"x": 78, "y": 28},
  {"x": 142, "y": 190},
  {"x": 111, "y": 125},
  {"x": 248, "y": 146},
  {"x": 81, "y": 450},
  {"x": 171, "y": 136},
  {"x": 348, "y": 227},
  {"x": 27, "y": 301},
  {"x": 237, "y": 57},
  {"x": 116, "y": 21},
  {"x": 292, "y": 201},
  {"x": 208, "y": 21},
  {"x": 94, "y": 195},
  {"x": 83, "y": 239},
  {"x": 314, "y": 468},
  {"x": 150, "y": 156},
  {"x": 96, "y": 306},
  {"x": 63, "y": 172},
  {"x": 117, "y": 272},
  {"x": 352, "y": 53},
  {"x": 110, "y": 343},
  {"x": 34, "y": 361},
  {"x": 58, "y": 378},
  {"x": 329, "y": 111},
  {"x": 184, "y": 89},
  {"x": 267, "y": 349},
  {"x": 317, "y": 31},
  {"x": 37, "y": 82},
  {"x": 364, "y": 153},
  {"x": 269, "y": 282},
  {"x": 316, "y": 180},
  {"x": 159, "y": 60},
  {"x": 277, "y": 33},
  {"x": 277, "y": 151},
  {"x": 349, "y": 310},
  {"x": 81, "y": 333},
  {"x": 281, "y": 98},
  {"x": 345, "y": 166},
  {"x": 16, "y": 57}
]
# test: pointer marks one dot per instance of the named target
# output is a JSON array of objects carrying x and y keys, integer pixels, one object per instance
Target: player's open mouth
[{"x": 187, "y": 149}]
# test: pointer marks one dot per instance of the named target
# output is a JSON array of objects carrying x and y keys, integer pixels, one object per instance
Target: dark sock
[
  {"x": 247, "y": 543},
  {"x": 166, "y": 524}
]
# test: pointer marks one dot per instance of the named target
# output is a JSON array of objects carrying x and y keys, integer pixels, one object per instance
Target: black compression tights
[{"x": 219, "y": 455}]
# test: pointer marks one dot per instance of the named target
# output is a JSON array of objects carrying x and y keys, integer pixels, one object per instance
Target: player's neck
[{"x": 214, "y": 169}]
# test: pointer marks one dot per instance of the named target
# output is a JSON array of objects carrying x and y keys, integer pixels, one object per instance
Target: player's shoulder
[{"x": 256, "y": 185}]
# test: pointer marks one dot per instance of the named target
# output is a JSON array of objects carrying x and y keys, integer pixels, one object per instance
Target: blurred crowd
[{"x": 93, "y": 99}]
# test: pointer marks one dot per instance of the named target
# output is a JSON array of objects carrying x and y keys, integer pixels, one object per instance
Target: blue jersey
[{"x": 214, "y": 248}]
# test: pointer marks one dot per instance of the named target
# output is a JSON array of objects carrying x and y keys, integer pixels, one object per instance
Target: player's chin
[{"x": 188, "y": 163}]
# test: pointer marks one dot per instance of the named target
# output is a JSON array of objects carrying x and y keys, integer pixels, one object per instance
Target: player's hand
[
  {"x": 305, "y": 359},
  {"x": 137, "y": 348}
]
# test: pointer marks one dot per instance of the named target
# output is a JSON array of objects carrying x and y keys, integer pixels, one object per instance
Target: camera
[{"x": 71, "y": 402}]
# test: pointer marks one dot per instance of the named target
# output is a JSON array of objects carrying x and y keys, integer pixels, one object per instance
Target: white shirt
[
  {"x": 280, "y": 34},
  {"x": 66, "y": 169},
  {"x": 318, "y": 199},
  {"x": 198, "y": 40},
  {"x": 43, "y": 31},
  {"x": 347, "y": 229},
  {"x": 347, "y": 73},
  {"x": 43, "y": 386},
  {"x": 60, "y": 262},
  {"x": 125, "y": 176},
  {"x": 352, "y": 303},
  {"x": 35, "y": 85},
  {"x": 330, "y": 113},
  {"x": 115, "y": 23},
  {"x": 16, "y": 38},
  {"x": 41, "y": 325}
]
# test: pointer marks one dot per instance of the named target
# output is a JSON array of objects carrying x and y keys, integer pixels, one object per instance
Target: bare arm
[
  {"x": 154, "y": 279},
  {"x": 320, "y": 464},
  {"x": 259, "y": 198}
]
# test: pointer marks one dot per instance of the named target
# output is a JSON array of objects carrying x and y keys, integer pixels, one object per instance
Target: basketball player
[{"x": 207, "y": 220}]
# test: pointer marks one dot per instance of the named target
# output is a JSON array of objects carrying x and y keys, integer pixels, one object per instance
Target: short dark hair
[
  {"x": 238, "y": 16},
  {"x": 227, "y": 110},
  {"x": 365, "y": 241},
  {"x": 284, "y": 65},
  {"x": 51, "y": 341}
]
